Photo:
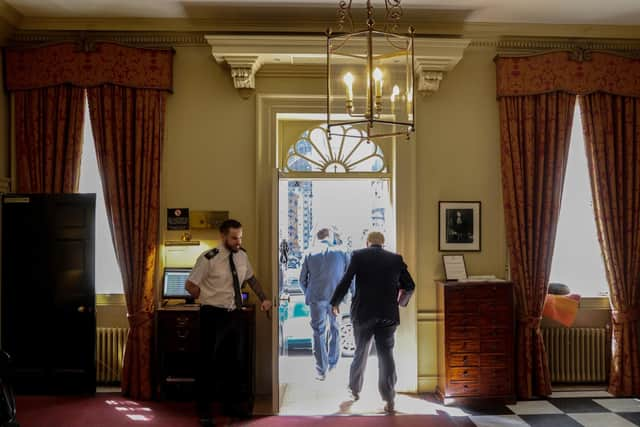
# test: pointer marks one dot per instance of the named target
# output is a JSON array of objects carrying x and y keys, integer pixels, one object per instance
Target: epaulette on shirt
[{"x": 213, "y": 252}]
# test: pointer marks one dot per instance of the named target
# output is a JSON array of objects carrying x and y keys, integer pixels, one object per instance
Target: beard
[{"x": 232, "y": 248}]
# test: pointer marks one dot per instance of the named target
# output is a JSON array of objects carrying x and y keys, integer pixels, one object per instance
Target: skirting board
[{"x": 427, "y": 383}]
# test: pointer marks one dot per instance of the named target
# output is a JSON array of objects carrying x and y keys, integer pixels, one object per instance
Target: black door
[{"x": 48, "y": 295}]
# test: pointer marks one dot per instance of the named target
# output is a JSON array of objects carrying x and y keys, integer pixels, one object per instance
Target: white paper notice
[{"x": 454, "y": 267}]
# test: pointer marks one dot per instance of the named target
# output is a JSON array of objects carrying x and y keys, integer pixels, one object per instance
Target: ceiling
[{"x": 610, "y": 12}]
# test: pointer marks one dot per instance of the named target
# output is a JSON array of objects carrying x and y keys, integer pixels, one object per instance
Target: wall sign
[{"x": 178, "y": 219}]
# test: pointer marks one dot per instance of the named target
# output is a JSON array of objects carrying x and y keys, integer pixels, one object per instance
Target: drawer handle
[
  {"x": 465, "y": 386},
  {"x": 465, "y": 374},
  {"x": 465, "y": 358},
  {"x": 182, "y": 333}
]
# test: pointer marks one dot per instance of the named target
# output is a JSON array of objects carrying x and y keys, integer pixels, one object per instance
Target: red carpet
[{"x": 110, "y": 410}]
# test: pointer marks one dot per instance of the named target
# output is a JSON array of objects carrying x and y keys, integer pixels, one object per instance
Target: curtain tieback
[
  {"x": 139, "y": 318},
  {"x": 532, "y": 322},
  {"x": 632, "y": 314}
]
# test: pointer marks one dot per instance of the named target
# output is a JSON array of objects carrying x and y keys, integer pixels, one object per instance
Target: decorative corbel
[
  {"x": 243, "y": 73},
  {"x": 428, "y": 81}
]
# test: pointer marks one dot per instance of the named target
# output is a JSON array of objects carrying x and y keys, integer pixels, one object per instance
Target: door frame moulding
[{"x": 269, "y": 106}]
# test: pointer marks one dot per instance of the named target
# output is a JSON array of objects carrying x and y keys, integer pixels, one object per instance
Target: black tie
[{"x": 236, "y": 283}]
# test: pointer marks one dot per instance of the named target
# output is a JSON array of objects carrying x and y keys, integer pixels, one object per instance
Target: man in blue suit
[
  {"x": 382, "y": 284},
  {"x": 322, "y": 268}
]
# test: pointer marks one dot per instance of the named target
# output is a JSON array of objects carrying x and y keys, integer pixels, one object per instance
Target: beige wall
[{"x": 458, "y": 159}]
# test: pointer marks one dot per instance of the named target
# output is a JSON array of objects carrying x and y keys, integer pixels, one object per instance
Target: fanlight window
[{"x": 352, "y": 151}]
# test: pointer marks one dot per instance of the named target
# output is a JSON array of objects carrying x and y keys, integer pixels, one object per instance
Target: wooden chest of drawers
[{"x": 475, "y": 342}]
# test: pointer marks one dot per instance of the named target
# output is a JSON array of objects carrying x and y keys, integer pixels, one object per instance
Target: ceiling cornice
[
  {"x": 315, "y": 21},
  {"x": 500, "y": 41},
  {"x": 10, "y": 15},
  {"x": 9, "y": 21}
]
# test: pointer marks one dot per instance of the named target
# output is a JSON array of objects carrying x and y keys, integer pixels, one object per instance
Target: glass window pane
[
  {"x": 577, "y": 258},
  {"x": 108, "y": 279},
  {"x": 351, "y": 152}
]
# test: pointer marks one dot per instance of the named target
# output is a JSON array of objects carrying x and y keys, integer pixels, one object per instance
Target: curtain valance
[
  {"x": 577, "y": 72},
  {"x": 104, "y": 63}
]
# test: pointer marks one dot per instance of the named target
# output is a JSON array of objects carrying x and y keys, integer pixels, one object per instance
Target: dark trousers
[
  {"x": 383, "y": 331},
  {"x": 221, "y": 362}
]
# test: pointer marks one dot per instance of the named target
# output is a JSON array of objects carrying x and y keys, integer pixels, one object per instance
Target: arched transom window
[{"x": 351, "y": 152}]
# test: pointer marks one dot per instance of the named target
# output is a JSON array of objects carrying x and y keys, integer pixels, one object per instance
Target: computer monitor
[{"x": 173, "y": 283}]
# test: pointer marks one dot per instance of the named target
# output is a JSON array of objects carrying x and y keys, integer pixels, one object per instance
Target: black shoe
[
  {"x": 390, "y": 407},
  {"x": 207, "y": 422},
  {"x": 354, "y": 395}
]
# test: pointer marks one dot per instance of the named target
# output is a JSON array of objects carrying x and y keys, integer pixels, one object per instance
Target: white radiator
[
  {"x": 577, "y": 355},
  {"x": 110, "y": 344}
]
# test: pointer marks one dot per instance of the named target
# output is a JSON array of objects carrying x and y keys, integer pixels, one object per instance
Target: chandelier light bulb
[
  {"x": 377, "y": 77},
  {"x": 394, "y": 93},
  {"x": 348, "y": 81}
]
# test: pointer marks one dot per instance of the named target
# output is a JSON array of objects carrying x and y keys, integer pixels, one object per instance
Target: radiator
[
  {"x": 577, "y": 355},
  {"x": 110, "y": 344}
]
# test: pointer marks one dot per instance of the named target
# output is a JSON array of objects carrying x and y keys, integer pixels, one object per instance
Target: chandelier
[{"x": 370, "y": 75}]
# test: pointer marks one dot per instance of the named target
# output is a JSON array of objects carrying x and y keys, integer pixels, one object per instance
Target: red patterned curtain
[
  {"x": 609, "y": 89},
  {"x": 48, "y": 137},
  {"x": 128, "y": 130},
  {"x": 127, "y": 89},
  {"x": 612, "y": 135},
  {"x": 535, "y": 132}
]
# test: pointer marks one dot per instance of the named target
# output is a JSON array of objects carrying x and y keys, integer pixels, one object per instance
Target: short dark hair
[
  {"x": 323, "y": 233},
  {"x": 228, "y": 224}
]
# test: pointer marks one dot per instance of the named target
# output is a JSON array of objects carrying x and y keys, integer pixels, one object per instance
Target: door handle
[{"x": 83, "y": 309}]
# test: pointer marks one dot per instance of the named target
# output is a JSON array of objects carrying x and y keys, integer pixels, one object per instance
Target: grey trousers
[{"x": 383, "y": 331}]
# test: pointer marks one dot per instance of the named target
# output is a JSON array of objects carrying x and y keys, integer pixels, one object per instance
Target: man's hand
[
  {"x": 193, "y": 289},
  {"x": 335, "y": 310},
  {"x": 266, "y": 305}
]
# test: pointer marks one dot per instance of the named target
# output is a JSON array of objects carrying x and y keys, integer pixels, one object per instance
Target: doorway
[{"x": 349, "y": 208}]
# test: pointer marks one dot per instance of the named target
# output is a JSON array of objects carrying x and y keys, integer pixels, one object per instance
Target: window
[
  {"x": 350, "y": 152},
  {"x": 577, "y": 258},
  {"x": 108, "y": 279}
]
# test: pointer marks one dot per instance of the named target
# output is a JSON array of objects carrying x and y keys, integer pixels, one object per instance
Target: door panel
[
  {"x": 24, "y": 294},
  {"x": 48, "y": 296},
  {"x": 73, "y": 293}
]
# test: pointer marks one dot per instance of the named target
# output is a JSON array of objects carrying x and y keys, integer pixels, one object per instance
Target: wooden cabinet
[
  {"x": 475, "y": 342},
  {"x": 177, "y": 347}
]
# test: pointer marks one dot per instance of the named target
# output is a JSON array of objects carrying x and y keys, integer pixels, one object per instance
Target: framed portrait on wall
[{"x": 459, "y": 226}]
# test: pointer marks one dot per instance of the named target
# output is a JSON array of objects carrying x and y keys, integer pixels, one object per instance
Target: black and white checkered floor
[{"x": 563, "y": 409}]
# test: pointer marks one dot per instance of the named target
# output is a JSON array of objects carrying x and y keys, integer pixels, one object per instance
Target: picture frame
[{"x": 459, "y": 226}]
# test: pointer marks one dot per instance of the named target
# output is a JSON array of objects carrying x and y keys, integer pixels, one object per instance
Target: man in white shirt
[{"x": 216, "y": 280}]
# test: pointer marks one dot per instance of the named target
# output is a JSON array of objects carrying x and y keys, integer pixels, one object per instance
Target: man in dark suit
[{"x": 382, "y": 283}]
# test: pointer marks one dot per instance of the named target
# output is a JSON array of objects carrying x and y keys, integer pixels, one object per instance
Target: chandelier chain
[
  {"x": 393, "y": 15},
  {"x": 370, "y": 15},
  {"x": 344, "y": 15}
]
